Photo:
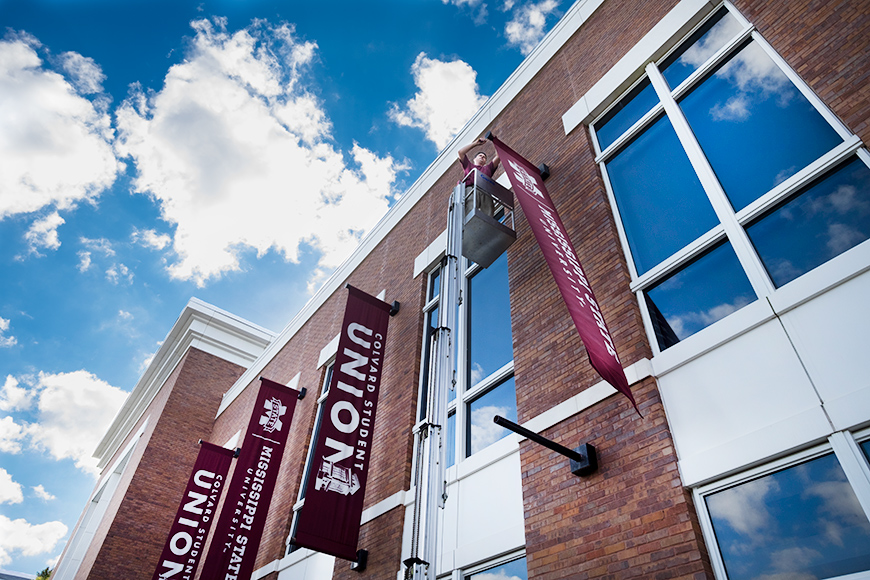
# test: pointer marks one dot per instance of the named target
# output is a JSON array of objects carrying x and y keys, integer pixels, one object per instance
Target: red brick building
[{"x": 709, "y": 163}]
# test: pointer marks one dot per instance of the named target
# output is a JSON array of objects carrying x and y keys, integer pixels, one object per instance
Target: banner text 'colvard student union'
[{"x": 330, "y": 519}]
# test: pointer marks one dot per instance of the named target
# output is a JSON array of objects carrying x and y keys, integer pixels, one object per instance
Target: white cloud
[
  {"x": 118, "y": 273},
  {"x": 10, "y": 491},
  {"x": 62, "y": 400},
  {"x": 28, "y": 539},
  {"x": 447, "y": 98},
  {"x": 85, "y": 74},
  {"x": 84, "y": 261},
  {"x": 43, "y": 233},
  {"x": 6, "y": 341},
  {"x": 500, "y": 575},
  {"x": 755, "y": 78},
  {"x": 56, "y": 150},
  {"x": 151, "y": 239},
  {"x": 101, "y": 245},
  {"x": 40, "y": 492},
  {"x": 527, "y": 27},
  {"x": 484, "y": 432},
  {"x": 687, "y": 323},
  {"x": 11, "y": 435},
  {"x": 13, "y": 397},
  {"x": 239, "y": 156},
  {"x": 124, "y": 315},
  {"x": 722, "y": 32},
  {"x": 477, "y": 9},
  {"x": 745, "y": 508}
]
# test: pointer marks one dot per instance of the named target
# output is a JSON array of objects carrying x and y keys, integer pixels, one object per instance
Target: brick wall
[
  {"x": 632, "y": 518},
  {"x": 136, "y": 536}
]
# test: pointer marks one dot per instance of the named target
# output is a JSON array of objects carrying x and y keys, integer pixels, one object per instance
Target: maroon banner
[
  {"x": 330, "y": 519},
  {"x": 183, "y": 548},
  {"x": 237, "y": 535},
  {"x": 565, "y": 267}
]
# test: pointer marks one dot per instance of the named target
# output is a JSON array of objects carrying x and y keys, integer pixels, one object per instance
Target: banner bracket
[
  {"x": 302, "y": 392},
  {"x": 362, "y": 560},
  {"x": 394, "y": 309},
  {"x": 584, "y": 459}
]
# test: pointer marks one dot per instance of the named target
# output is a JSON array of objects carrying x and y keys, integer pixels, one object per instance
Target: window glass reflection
[
  {"x": 626, "y": 113},
  {"x": 435, "y": 284},
  {"x": 828, "y": 218},
  {"x": 754, "y": 126},
  {"x": 515, "y": 570},
  {"x": 660, "y": 199},
  {"x": 707, "y": 290},
  {"x": 450, "y": 441},
  {"x": 482, "y": 432},
  {"x": 428, "y": 352},
  {"x": 490, "y": 344},
  {"x": 699, "y": 47},
  {"x": 804, "y": 522},
  {"x": 866, "y": 448}
]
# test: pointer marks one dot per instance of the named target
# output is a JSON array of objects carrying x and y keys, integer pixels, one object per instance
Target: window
[
  {"x": 728, "y": 178},
  {"x": 488, "y": 365},
  {"x": 309, "y": 460},
  {"x": 513, "y": 570},
  {"x": 798, "y": 519},
  {"x": 485, "y": 384}
]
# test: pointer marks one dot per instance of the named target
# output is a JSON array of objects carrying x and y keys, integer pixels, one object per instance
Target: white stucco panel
[
  {"x": 831, "y": 333},
  {"x": 490, "y": 512},
  {"x": 752, "y": 385}
]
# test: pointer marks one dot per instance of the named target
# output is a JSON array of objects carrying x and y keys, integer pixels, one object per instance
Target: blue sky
[{"x": 235, "y": 151}]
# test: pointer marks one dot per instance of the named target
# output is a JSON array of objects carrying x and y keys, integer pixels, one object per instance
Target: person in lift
[
  {"x": 488, "y": 169},
  {"x": 479, "y": 162}
]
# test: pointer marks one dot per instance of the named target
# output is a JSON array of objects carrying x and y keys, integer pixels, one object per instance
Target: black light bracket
[
  {"x": 584, "y": 459},
  {"x": 362, "y": 560},
  {"x": 411, "y": 562},
  {"x": 395, "y": 309}
]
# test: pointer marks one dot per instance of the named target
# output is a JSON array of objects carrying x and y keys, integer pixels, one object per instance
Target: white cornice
[
  {"x": 540, "y": 56},
  {"x": 202, "y": 326}
]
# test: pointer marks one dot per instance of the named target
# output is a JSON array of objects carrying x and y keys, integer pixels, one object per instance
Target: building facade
[{"x": 708, "y": 161}]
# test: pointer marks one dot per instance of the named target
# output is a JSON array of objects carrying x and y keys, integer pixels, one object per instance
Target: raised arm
[{"x": 463, "y": 151}]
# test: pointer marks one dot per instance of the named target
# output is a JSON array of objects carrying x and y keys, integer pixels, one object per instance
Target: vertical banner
[
  {"x": 330, "y": 519},
  {"x": 565, "y": 267},
  {"x": 183, "y": 548},
  {"x": 233, "y": 549}
]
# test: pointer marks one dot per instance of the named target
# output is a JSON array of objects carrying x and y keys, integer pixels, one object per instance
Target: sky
[{"x": 231, "y": 150}]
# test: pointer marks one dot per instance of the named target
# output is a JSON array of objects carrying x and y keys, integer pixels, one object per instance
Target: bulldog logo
[{"x": 271, "y": 419}]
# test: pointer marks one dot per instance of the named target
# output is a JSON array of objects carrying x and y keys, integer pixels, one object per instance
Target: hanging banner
[
  {"x": 183, "y": 548},
  {"x": 565, "y": 267},
  {"x": 233, "y": 549},
  {"x": 329, "y": 521}
]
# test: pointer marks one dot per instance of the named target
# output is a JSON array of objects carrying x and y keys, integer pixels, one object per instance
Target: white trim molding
[{"x": 200, "y": 325}]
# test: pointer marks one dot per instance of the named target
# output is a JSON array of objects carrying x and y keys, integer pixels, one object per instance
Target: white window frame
[
  {"x": 843, "y": 444},
  {"x": 465, "y": 394},
  {"x": 731, "y": 226},
  {"x": 461, "y": 573}
]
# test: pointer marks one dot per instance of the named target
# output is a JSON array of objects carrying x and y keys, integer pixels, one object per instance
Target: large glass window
[
  {"x": 803, "y": 521},
  {"x": 820, "y": 222},
  {"x": 754, "y": 126},
  {"x": 484, "y": 358},
  {"x": 660, "y": 199},
  {"x": 729, "y": 178}
]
